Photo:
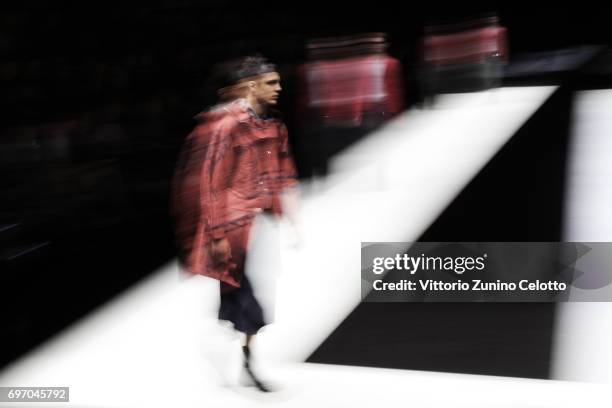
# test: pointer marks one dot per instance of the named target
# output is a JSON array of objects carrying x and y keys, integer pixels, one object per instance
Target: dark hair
[
  {"x": 229, "y": 73},
  {"x": 250, "y": 66}
]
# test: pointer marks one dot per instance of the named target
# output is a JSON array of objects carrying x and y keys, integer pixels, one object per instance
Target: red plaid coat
[
  {"x": 468, "y": 46},
  {"x": 233, "y": 166},
  {"x": 345, "y": 91}
]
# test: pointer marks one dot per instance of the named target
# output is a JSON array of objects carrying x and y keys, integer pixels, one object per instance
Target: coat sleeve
[
  {"x": 216, "y": 176},
  {"x": 287, "y": 177},
  {"x": 288, "y": 170},
  {"x": 394, "y": 86}
]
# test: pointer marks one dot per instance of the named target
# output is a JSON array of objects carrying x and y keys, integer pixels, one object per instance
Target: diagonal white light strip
[
  {"x": 159, "y": 344},
  {"x": 391, "y": 187}
]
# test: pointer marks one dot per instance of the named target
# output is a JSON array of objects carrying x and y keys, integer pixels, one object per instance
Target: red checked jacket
[
  {"x": 349, "y": 91},
  {"x": 468, "y": 46},
  {"x": 233, "y": 166}
]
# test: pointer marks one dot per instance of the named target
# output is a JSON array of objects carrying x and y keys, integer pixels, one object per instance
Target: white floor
[{"x": 159, "y": 344}]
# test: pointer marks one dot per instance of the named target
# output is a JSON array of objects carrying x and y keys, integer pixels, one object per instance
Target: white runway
[{"x": 159, "y": 344}]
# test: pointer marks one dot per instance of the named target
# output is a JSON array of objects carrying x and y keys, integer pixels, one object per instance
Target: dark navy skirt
[{"x": 240, "y": 307}]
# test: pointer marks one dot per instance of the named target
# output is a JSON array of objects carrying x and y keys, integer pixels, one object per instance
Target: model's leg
[
  {"x": 240, "y": 306},
  {"x": 247, "y": 365}
]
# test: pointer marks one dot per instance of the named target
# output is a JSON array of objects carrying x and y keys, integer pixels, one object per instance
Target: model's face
[{"x": 267, "y": 88}]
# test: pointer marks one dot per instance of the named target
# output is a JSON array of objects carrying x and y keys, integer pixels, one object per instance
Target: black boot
[{"x": 247, "y": 367}]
